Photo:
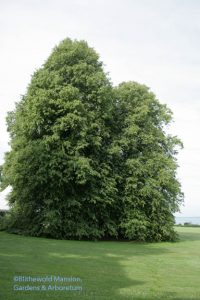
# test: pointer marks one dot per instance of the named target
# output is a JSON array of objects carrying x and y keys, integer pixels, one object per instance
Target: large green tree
[
  {"x": 88, "y": 160},
  {"x": 144, "y": 160}
]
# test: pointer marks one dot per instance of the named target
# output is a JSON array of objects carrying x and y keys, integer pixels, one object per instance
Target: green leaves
[
  {"x": 88, "y": 160},
  {"x": 150, "y": 190}
]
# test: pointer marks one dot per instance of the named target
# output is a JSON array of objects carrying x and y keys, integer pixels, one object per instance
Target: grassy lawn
[{"x": 108, "y": 270}]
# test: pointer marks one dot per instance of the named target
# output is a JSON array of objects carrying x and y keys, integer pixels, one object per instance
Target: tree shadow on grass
[
  {"x": 186, "y": 233},
  {"x": 102, "y": 267},
  {"x": 189, "y": 236}
]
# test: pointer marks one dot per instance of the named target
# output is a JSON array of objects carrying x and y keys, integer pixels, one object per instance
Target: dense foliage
[{"x": 88, "y": 160}]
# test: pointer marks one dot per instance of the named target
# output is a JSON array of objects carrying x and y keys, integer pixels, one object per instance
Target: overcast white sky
[{"x": 154, "y": 42}]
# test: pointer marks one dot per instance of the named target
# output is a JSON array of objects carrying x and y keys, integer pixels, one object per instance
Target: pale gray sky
[{"x": 154, "y": 42}]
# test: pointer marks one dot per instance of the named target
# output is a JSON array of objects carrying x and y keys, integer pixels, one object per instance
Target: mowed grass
[{"x": 109, "y": 270}]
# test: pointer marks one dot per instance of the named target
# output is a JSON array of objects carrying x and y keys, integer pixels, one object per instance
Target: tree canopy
[{"x": 89, "y": 160}]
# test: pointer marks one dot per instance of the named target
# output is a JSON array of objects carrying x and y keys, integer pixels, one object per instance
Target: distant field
[{"x": 108, "y": 270}]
